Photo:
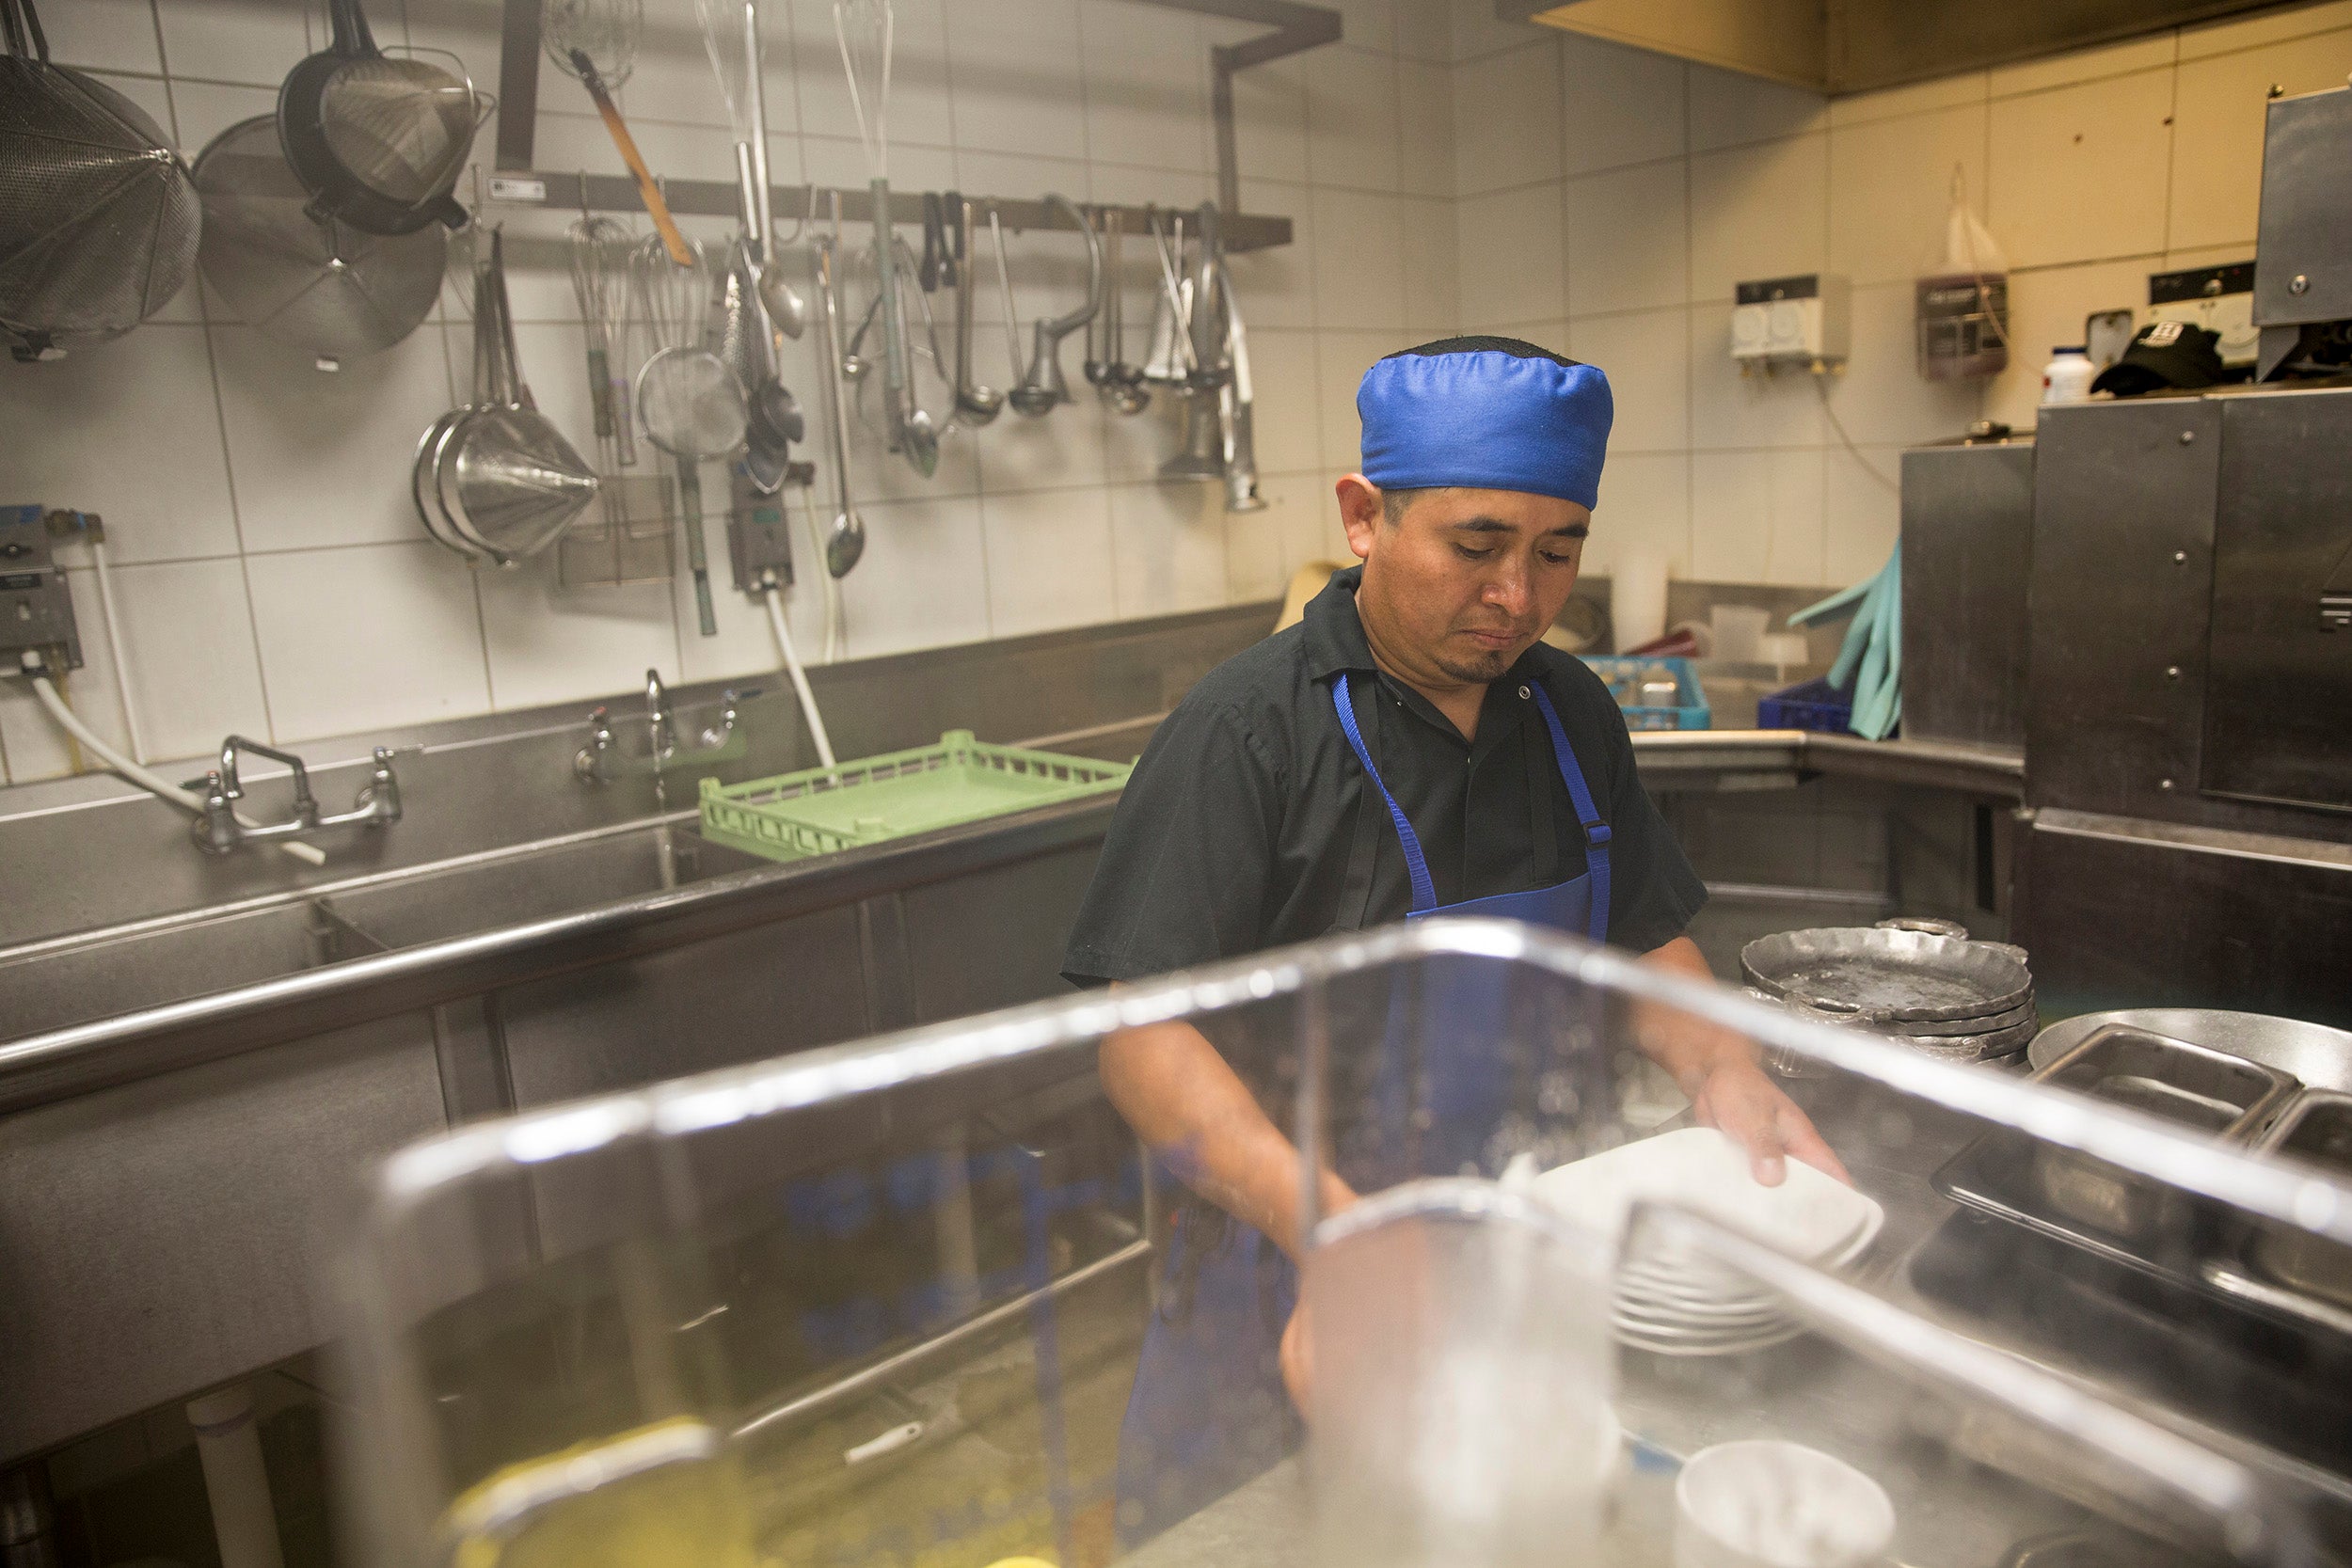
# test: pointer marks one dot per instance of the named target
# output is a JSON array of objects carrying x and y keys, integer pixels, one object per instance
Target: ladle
[
  {"x": 1123, "y": 383},
  {"x": 1043, "y": 389},
  {"x": 976, "y": 405}
]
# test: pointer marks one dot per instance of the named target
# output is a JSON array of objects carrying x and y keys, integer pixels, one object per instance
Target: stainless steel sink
[
  {"x": 432, "y": 905},
  {"x": 54, "y": 985},
  {"x": 61, "y": 984}
]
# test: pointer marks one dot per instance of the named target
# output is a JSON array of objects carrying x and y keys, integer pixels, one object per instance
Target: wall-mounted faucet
[
  {"x": 601, "y": 761},
  {"x": 218, "y": 830}
]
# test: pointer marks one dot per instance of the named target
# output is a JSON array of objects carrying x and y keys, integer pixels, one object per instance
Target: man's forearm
[
  {"x": 1687, "y": 1046},
  {"x": 1189, "y": 1108}
]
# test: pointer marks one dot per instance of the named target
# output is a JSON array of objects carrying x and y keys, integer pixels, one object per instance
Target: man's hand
[
  {"x": 1299, "y": 1358},
  {"x": 1740, "y": 1099}
]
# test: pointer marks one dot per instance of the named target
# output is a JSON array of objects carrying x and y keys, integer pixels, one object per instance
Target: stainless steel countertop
[{"x": 69, "y": 1061}]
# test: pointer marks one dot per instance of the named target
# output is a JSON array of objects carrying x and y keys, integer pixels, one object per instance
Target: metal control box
[
  {"x": 1968, "y": 542},
  {"x": 35, "y": 601}
]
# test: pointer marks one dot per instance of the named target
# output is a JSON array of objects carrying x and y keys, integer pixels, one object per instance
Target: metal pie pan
[
  {"x": 1931, "y": 1028},
  {"x": 1972, "y": 1048},
  {"x": 1899, "y": 975}
]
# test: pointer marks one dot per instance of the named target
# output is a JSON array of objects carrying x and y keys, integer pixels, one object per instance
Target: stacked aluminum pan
[{"x": 1924, "y": 983}]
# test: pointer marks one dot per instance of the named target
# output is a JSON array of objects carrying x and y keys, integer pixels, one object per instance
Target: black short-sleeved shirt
[{"x": 1234, "y": 834}]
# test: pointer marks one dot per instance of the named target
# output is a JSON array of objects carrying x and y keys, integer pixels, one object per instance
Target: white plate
[
  {"x": 1662, "y": 1346},
  {"x": 1703, "y": 1285},
  {"x": 1809, "y": 1215}
]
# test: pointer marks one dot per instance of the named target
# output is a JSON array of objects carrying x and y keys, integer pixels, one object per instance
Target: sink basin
[
  {"x": 125, "y": 971},
  {"x": 128, "y": 970},
  {"x": 484, "y": 895}
]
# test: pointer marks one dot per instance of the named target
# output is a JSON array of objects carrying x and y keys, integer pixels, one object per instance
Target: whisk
[{"x": 600, "y": 249}]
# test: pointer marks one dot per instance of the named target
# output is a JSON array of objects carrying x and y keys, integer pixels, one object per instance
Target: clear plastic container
[{"x": 881, "y": 1304}]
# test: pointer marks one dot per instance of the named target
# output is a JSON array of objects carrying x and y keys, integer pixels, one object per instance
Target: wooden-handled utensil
[{"x": 671, "y": 239}]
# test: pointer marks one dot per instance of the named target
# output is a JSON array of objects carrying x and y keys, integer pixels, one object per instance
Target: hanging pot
[{"x": 377, "y": 142}]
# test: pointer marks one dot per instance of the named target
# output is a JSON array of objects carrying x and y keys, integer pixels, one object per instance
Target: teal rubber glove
[{"x": 1870, "y": 658}]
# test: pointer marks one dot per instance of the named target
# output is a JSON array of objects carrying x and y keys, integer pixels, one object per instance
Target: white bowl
[{"x": 1763, "y": 1503}]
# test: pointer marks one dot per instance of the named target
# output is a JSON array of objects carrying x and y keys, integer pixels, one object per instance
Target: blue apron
[{"x": 1209, "y": 1411}]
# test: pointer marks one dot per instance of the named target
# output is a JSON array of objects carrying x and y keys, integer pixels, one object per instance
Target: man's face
[{"x": 1464, "y": 581}]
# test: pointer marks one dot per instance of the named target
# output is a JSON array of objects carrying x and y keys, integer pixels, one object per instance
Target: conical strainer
[
  {"x": 516, "y": 481},
  {"x": 98, "y": 215},
  {"x": 315, "y": 283},
  {"x": 379, "y": 139}
]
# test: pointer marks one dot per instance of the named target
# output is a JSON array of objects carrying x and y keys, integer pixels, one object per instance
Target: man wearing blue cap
[{"x": 1410, "y": 748}]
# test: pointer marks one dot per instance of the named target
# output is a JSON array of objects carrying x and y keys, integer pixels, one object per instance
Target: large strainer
[
  {"x": 505, "y": 469},
  {"x": 317, "y": 284},
  {"x": 379, "y": 139},
  {"x": 98, "y": 215}
]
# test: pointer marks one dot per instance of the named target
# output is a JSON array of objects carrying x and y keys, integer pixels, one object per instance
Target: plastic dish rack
[
  {"x": 820, "y": 810},
  {"x": 1623, "y": 674},
  {"x": 1813, "y": 704}
]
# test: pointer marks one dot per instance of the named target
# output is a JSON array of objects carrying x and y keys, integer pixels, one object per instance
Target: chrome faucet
[
  {"x": 218, "y": 829},
  {"x": 601, "y": 760}
]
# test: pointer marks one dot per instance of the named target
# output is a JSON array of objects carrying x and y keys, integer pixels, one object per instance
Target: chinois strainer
[
  {"x": 514, "y": 479},
  {"x": 98, "y": 215},
  {"x": 379, "y": 140}
]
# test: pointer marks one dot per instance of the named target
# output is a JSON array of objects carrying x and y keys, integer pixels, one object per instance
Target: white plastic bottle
[{"x": 2068, "y": 375}]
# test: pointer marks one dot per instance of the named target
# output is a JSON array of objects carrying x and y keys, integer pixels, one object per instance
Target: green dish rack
[{"x": 820, "y": 810}]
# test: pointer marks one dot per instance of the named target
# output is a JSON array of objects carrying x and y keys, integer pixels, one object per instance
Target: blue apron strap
[
  {"x": 1595, "y": 831},
  {"x": 1416, "y": 864}
]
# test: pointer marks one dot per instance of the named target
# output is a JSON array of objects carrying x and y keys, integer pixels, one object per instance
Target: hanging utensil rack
[{"x": 515, "y": 182}]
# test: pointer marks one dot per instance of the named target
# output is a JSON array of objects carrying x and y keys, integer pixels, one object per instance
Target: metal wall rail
[
  {"x": 68, "y": 1062},
  {"x": 1296, "y": 27}
]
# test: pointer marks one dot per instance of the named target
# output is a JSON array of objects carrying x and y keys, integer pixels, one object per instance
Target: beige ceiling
[{"x": 1842, "y": 46}]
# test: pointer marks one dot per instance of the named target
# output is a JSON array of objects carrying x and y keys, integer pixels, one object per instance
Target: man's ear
[{"x": 1359, "y": 513}]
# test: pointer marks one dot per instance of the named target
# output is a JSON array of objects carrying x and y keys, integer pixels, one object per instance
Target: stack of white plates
[{"x": 1680, "y": 1303}]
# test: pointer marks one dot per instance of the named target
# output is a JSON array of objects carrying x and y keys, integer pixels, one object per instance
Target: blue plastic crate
[
  {"x": 1813, "y": 704},
  {"x": 1623, "y": 671}
]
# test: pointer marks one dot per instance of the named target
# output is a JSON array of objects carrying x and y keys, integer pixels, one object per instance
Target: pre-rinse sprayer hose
[
  {"x": 154, "y": 784},
  {"x": 774, "y": 594}
]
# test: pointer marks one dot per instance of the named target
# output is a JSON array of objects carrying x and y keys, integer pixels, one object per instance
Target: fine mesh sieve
[
  {"x": 606, "y": 31},
  {"x": 378, "y": 140},
  {"x": 318, "y": 284},
  {"x": 690, "y": 405},
  {"x": 99, "y": 218}
]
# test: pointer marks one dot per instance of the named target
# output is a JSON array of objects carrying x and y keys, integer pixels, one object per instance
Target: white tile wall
[
  {"x": 1678, "y": 180},
  {"x": 1442, "y": 171}
]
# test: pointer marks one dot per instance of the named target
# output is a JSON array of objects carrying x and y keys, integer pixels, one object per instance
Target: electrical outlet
[{"x": 36, "y": 604}]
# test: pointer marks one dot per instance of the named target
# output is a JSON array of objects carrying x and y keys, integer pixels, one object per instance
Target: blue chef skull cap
[{"x": 1485, "y": 414}]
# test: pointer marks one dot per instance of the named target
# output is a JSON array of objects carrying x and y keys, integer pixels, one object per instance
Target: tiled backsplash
[
  {"x": 1442, "y": 169},
  {"x": 1609, "y": 198},
  {"x": 273, "y": 579}
]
